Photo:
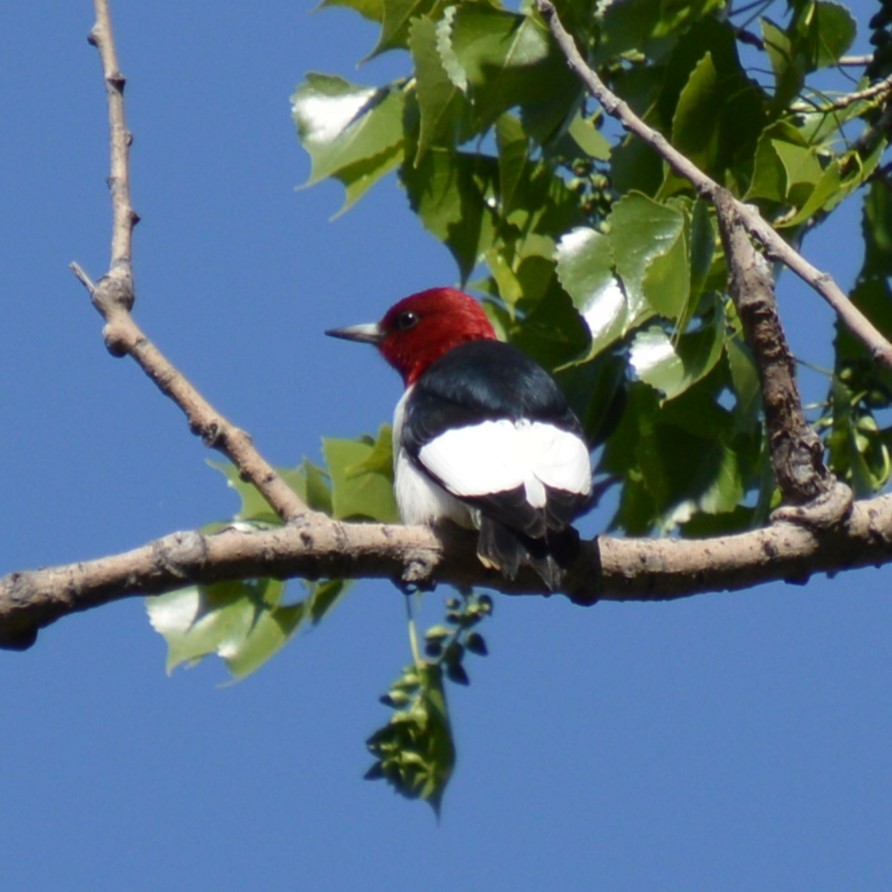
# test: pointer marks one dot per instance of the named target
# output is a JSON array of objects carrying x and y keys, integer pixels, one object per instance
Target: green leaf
[
  {"x": 513, "y": 147},
  {"x": 588, "y": 137},
  {"x": 242, "y": 622},
  {"x": 359, "y": 177},
  {"x": 585, "y": 267},
  {"x": 673, "y": 365},
  {"x": 369, "y": 9},
  {"x": 323, "y": 596},
  {"x": 802, "y": 169},
  {"x": 643, "y": 231},
  {"x": 769, "y": 178},
  {"x": 838, "y": 180},
  {"x": 362, "y": 486},
  {"x": 307, "y": 480},
  {"x": 789, "y": 69},
  {"x": 505, "y": 60},
  {"x": 351, "y": 132},
  {"x": 745, "y": 382},
  {"x": 553, "y": 333},
  {"x": 452, "y": 194},
  {"x": 397, "y": 19},
  {"x": 677, "y": 459},
  {"x": 414, "y": 751},
  {"x": 644, "y": 26},
  {"x": 703, "y": 246},
  {"x": 440, "y": 102},
  {"x": 271, "y": 631},
  {"x": 696, "y": 125},
  {"x": 826, "y": 32}
]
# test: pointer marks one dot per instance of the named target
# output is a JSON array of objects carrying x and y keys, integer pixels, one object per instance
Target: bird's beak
[{"x": 367, "y": 333}]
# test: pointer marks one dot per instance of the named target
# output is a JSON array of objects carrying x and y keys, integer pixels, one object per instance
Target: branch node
[
  {"x": 827, "y": 511},
  {"x": 117, "y": 339},
  {"x": 114, "y": 292},
  {"x": 179, "y": 553},
  {"x": 418, "y": 570}
]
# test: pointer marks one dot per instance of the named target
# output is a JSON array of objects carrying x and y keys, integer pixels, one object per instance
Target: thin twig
[
  {"x": 775, "y": 246},
  {"x": 114, "y": 295},
  {"x": 875, "y": 91},
  {"x": 120, "y": 140},
  {"x": 855, "y": 61}
]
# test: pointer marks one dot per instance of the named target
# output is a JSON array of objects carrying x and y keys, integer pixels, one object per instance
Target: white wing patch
[
  {"x": 421, "y": 500},
  {"x": 498, "y": 456}
]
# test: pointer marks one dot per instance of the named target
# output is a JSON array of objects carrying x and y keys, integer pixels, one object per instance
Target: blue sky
[{"x": 725, "y": 742}]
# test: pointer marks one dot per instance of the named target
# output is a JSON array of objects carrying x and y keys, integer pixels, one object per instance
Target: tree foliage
[{"x": 595, "y": 257}]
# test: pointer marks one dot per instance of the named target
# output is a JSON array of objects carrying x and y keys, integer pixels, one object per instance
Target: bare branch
[
  {"x": 796, "y": 450},
  {"x": 114, "y": 295},
  {"x": 120, "y": 139},
  {"x": 878, "y": 90},
  {"x": 316, "y": 547},
  {"x": 759, "y": 228},
  {"x": 855, "y": 61}
]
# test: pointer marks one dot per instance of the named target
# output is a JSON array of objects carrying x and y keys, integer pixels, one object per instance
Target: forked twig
[{"x": 114, "y": 294}]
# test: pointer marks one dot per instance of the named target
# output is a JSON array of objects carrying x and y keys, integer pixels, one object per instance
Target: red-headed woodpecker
[{"x": 482, "y": 436}]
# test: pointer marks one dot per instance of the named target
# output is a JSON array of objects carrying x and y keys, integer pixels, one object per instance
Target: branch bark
[
  {"x": 316, "y": 547},
  {"x": 796, "y": 450},
  {"x": 756, "y": 225}
]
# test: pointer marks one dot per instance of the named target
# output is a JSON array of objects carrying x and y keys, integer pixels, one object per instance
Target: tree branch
[
  {"x": 114, "y": 295},
  {"x": 314, "y": 546},
  {"x": 875, "y": 91},
  {"x": 796, "y": 450},
  {"x": 775, "y": 246}
]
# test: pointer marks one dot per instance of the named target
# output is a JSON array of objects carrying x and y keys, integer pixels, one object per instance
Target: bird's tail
[{"x": 507, "y": 550}]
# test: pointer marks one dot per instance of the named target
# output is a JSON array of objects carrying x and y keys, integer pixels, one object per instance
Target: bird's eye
[{"x": 406, "y": 320}]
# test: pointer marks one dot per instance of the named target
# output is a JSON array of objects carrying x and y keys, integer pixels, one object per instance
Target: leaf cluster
[{"x": 414, "y": 751}]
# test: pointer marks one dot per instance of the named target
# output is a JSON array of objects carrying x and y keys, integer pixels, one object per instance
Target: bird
[{"x": 482, "y": 435}]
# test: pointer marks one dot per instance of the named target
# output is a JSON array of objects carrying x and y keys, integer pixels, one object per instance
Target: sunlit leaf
[
  {"x": 585, "y": 266},
  {"x": 440, "y": 102},
  {"x": 359, "y": 490},
  {"x": 351, "y": 132},
  {"x": 244, "y": 623},
  {"x": 507, "y": 60},
  {"x": 672, "y": 365}
]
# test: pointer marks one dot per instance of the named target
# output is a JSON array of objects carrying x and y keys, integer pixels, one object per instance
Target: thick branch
[
  {"x": 113, "y": 296},
  {"x": 776, "y": 247},
  {"x": 314, "y": 546},
  {"x": 796, "y": 450}
]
